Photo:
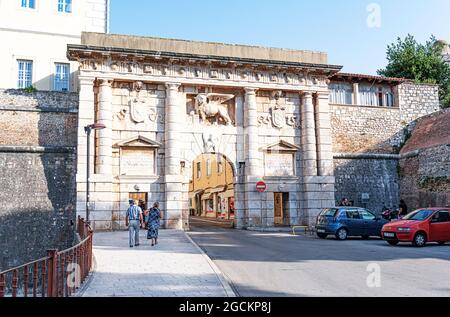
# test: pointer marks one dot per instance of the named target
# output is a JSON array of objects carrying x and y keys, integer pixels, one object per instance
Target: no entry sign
[{"x": 261, "y": 187}]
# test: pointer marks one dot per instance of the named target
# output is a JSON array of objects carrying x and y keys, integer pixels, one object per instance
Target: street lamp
[{"x": 88, "y": 129}]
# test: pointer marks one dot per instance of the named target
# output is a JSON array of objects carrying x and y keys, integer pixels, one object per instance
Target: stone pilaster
[
  {"x": 252, "y": 205},
  {"x": 251, "y": 131},
  {"x": 173, "y": 178},
  {"x": 86, "y": 115},
  {"x": 309, "y": 146},
  {"x": 324, "y": 141},
  {"x": 105, "y": 116},
  {"x": 318, "y": 180}
]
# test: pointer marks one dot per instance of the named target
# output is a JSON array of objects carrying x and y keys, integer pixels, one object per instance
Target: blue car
[{"x": 344, "y": 222}]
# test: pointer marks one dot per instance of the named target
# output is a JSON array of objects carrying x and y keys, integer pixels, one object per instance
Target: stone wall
[
  {"x": 425, "y": 163},
  {"x": 417, "y": 100},
  {"x": 358, "y": 129},
  {"x": 375, "y": 176},
  {"x": 367, "y": 139},
  {"x": 425, "y": 178},
  {"x": 37, "y": 174}
]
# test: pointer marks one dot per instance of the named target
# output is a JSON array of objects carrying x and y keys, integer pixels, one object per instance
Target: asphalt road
[{"x": 279, "y": 264}]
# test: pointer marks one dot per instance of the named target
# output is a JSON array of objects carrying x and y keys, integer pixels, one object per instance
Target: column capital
[
  {"x": 250, "y": 90},
  {"x": 173, "y": 86},
  {"x": 105, "y": 81},
  {"x": 323, "y": 94},
  {"x": 88, "y": 81},
  {"x": 306, "y": 94}
]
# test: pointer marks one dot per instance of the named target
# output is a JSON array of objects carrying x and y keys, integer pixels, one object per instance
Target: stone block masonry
[
  {"x": 366, "y": 141},
  {"x": 37, "y": 174}
]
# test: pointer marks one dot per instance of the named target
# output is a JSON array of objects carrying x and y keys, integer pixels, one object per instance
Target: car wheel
[
  {"x": 393, "y": 242},
  {"x": 342, "y": 234},
  {"x": 420, "y": 240},
  {"x": 322, "y": 235},
  {"x": 441, "y": 242},
  {"x": 365, "y": 237}
]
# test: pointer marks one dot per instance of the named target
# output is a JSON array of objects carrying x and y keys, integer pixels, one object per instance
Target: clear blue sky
[{"x": 338, "y": 27}]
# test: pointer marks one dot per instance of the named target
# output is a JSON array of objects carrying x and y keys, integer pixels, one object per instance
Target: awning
[
  {"x": 206, "y": 196},
  {"x": 217, "y": 189}
]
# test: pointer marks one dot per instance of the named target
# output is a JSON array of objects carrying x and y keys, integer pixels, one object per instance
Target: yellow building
[{"x": 211, "y": 189}]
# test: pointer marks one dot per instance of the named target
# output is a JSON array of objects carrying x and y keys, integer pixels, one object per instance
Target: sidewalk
[{"x": 174, "y": 268}]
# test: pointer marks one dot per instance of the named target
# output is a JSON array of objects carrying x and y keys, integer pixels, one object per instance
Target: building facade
[
  {"x": 211, "y": 188},
  {"x": 265, "y": 110},
  {"x": 34, "y": 36},
  {"x": 286, "y": 118}
]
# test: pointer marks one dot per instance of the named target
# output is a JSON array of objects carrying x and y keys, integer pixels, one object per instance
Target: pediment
[
  {"x": 138, "y": 141},
  {"x": 281, "y": 146}
]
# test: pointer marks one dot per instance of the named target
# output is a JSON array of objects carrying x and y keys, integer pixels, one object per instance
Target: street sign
[{"x": 261, "y": 187}]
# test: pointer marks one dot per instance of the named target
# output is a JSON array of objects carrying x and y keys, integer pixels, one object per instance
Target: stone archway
[{"x": 212, "y": 189}]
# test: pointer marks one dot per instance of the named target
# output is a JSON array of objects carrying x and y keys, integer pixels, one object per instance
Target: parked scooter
[{"x": 390, "y": 214}]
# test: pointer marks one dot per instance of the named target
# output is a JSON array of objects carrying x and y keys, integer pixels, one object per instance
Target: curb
[
  {"x": 223, "y": 280},
  {"x": 87, "y": 283}
]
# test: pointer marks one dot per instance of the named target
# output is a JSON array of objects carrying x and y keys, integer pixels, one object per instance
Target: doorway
[
  {"x": 142, "y": 198},
  {"x": 281, "y": 211}
]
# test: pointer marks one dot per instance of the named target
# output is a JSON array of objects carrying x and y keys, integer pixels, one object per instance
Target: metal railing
[{"x": 59, "y": 274}]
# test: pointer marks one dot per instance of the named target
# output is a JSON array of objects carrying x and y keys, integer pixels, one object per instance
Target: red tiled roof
[{"x": 368, "y": 77}]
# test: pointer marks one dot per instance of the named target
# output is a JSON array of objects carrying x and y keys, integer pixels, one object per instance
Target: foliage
[
  {"x": 29, "y": 90},
  {"x": 422, "y": 63}
]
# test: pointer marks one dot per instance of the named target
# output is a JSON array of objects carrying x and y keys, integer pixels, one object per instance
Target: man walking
[{"x": 133, "y": 221}]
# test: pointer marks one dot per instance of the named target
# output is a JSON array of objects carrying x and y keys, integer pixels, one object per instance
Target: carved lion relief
[{"x": 211, "y": 108}]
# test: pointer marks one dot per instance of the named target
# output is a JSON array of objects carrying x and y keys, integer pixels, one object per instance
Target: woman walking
[{"x": 154, "y": 218}]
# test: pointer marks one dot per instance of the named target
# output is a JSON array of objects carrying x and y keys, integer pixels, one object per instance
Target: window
[
  {"x": 366, "y": 215},
  {"x": 25, "y": 74},
  {"x": 389, "y": 99},
  {"x": 353, "y": 214},
  {"x": 341, "y": 94},
  {"x": 62, "y": 74},
  {"x": 219, "y": 165},
  {"x": 208, "y": 167},
  {"x": 369, "y": 95},
  {"x": 376, "y": 96},
  {"x": 31, "y": 4},
  {"x": 65, "y": 6},
  {"x": 441, "y": 216},
  {"x": 199, "y": 170}
]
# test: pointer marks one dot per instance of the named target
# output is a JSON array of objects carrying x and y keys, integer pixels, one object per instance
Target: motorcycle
[{"x": 390, "y": 214}]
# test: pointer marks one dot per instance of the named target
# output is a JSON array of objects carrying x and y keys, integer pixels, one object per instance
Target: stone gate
[{"x": 165, "y": 102}]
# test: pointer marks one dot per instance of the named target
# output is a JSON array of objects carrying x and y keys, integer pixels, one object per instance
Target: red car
[{"x": 419, "y": 227}]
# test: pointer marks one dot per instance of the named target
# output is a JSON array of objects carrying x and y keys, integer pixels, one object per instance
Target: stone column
[
  {"x": 252, "y": 204},
  {"x": 318, "y": 179},
  {"x": 173, "y": 177},
  {"x": 105, "y": 116},
  {"x": 101, "y": 188},
  {"x": 324, "y": 142},
  {"x": 356, "y": 95},
  {"x": 309, "y": 147},
  {"x": 86, "y": 115},
  {"x": 251, "y": 125}
]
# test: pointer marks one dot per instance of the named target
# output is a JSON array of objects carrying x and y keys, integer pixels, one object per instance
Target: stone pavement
[{"x": 174, "y": 268}]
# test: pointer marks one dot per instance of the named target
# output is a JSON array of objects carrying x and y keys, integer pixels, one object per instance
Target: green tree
[{"x": 422, "y": 63}]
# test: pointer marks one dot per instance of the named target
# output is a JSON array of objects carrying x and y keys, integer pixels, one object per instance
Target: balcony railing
[{"x": 59, "y": 274}]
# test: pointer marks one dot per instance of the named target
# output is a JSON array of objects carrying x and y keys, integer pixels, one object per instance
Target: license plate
[
  {"x": 321, "y": 231},
  {"x": 389, "y": 235}
]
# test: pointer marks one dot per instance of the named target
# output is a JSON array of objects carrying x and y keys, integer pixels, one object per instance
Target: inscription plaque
[
  {"x": 137, "y": 162},
  {"x": 279, "y": 164}
]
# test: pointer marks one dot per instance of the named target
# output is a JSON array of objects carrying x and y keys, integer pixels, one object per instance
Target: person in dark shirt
[{"x": 403, "y": 209}]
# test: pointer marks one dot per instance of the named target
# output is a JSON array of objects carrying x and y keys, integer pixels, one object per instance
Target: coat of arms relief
[
  {"x": 278, "y": 116},
  {"x": 140, "y": 105}
]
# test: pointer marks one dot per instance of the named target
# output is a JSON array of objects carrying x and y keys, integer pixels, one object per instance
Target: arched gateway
[{"x": 165, "y": 102}]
